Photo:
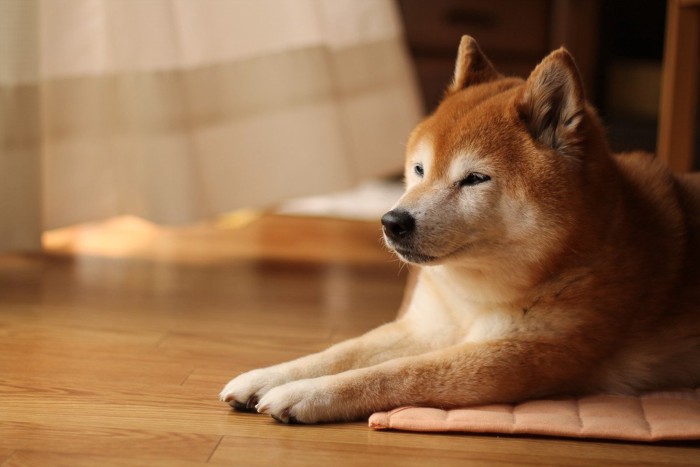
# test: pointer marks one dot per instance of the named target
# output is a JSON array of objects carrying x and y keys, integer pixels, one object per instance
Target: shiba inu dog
[{"x": 544, "y": 264}]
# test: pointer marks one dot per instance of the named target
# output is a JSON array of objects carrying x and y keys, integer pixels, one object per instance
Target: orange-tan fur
[{"x": 565, "y": 270}]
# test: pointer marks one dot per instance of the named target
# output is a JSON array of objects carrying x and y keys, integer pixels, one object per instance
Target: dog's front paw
[
  {"x": 244, "y": 391},
  {"x": 303, "y": 401}
]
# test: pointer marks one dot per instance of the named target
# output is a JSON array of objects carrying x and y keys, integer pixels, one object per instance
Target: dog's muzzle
[{"x": 399, "y": 230}]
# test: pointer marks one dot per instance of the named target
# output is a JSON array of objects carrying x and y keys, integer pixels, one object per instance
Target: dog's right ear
[
  {"x": 552, "y": 104},
  {"x": 472, "y": 66}
]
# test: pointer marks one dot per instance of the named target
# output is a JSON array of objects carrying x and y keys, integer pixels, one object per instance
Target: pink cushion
[{"x": 672, "y": 415}]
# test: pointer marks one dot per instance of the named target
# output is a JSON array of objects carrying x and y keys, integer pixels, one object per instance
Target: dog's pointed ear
[
  {"x": 472, "y": 66},
  {"x": 552, "y": 103}
]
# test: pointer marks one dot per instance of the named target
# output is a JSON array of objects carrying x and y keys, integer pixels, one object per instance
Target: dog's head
[{"x": 499, "y": 169}]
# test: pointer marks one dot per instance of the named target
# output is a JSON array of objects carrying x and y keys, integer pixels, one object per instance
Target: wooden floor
[{"x": 115, "y": 343}]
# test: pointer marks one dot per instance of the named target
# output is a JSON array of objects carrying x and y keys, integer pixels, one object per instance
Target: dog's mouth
[
  {"x": 413, "y": 256},
  {"x": 407, "y": 251}
]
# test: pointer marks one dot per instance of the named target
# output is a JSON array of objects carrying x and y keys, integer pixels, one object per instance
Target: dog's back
[{"x": 660, "y": 344}]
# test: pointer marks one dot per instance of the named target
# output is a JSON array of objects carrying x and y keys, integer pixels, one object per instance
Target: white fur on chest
[{"x": 451, "y": 311}]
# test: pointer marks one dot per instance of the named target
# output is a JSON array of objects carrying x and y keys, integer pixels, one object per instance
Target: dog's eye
[
  {"x": 418, "y": 169},
  {"x": 474, "y": 178}
]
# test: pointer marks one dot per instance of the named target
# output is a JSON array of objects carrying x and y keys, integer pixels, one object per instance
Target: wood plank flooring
[{"x": 115, "y": 342}]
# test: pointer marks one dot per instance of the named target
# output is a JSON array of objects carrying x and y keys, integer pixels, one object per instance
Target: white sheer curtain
[{"x": 175, "y": 110}]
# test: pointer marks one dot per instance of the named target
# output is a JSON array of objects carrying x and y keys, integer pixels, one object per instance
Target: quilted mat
[{"x": 656, "y": 416}]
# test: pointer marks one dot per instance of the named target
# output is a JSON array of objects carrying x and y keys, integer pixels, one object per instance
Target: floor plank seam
[
  {"x": 162, "y": 339},
  {"x": 8, "y": 458},
  {"x": 184, "y": 381},
  {"x": 221, "y": 438}
]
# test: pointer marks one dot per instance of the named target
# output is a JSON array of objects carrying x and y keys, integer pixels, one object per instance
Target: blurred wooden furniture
[
  {"x": 515, "y": 34},
  {"x": 679, "y": 92}
]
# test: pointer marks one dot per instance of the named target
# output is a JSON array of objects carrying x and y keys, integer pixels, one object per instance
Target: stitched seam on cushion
[
  {"x": 578, "y": 415},
  {"x": 644, "y": 416},
  {"x": 400, "y": 409}
]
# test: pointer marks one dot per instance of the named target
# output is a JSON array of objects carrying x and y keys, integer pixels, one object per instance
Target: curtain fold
[
  {"x": 176, "y": 110},
  {"x": 20, "y": 126}
]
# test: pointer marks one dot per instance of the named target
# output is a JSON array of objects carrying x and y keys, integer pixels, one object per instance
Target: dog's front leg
[
  {"x": 396, "y": 339},
  {"x": 461, "y": 375}
]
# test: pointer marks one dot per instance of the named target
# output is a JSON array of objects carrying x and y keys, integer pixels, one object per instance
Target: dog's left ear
[
  {"x": 472, "y": 66},
  {"x": 552, "y": 103}
]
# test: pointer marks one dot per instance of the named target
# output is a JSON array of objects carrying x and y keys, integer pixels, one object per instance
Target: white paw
[
  {"x": 303, "y": 401},
  {"x": 244, "y": 391}
]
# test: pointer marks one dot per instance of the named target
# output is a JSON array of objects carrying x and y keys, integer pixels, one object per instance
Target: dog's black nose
[{"x": 398, "y": 224}]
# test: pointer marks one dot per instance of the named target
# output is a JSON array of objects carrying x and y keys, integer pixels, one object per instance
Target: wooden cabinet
[{"x": 515, "y": 34}]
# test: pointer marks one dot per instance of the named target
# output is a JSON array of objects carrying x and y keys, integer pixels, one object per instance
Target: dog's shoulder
[
  {"x": 673, "y": 199},
  {"x": 689, "y": 185},
  {"x": 646, "y": 175},
  {"x": 654, "y": 201}
]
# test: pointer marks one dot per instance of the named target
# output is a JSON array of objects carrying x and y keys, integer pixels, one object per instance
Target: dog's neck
[{"x": 489, "y": 286}]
